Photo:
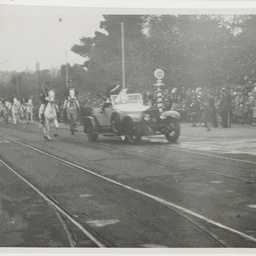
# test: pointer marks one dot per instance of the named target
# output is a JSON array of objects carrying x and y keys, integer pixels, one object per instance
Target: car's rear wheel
[
  {"x": 91, "y": 135},
  {"x": 173, "y": 129},
  {"x": 131, "y": 132}
]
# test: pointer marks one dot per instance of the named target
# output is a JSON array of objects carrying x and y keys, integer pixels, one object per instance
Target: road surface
[{"x": 196, "y": 193}]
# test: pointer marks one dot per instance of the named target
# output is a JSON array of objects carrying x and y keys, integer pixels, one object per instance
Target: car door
[{"x": 103, "y": 117}]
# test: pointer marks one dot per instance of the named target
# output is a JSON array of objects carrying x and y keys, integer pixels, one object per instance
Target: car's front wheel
[
  {"x": 115, "y": 123},
  {"x": 91, "y": 135},
  {"x": 131, "y": 132},
  {"x": 173, "y": 129}
]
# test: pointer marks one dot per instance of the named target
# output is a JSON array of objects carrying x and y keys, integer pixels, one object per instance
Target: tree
[
  {"x": 192, "y": 49},
  {"x": 105, "y": 53},
  {"x": 244, "y": 59}
]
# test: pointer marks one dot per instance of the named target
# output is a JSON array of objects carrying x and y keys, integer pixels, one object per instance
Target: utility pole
[
  {"x": 17, "y": 84},
  {"x": 66, "y": 69},
  {"x": 36, "y": 87},
  {"x": 123, "y": 62}
]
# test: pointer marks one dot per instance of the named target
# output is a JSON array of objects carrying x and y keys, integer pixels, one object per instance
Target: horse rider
[
  {"x": 71, "y": 105},
  {"x": 44, "y": 100},
  {"x": 71, "y": 97},
  {"x": 29, "y": 111}
]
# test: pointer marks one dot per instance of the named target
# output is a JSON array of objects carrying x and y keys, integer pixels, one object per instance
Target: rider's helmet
[{"x": 51, "y": 95}]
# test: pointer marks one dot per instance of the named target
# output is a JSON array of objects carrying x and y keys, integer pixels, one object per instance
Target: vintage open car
[{"x": 126, "y": 116}]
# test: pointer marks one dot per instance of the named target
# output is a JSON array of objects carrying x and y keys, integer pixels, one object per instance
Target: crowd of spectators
[
  {"x": 225, "y": 105},
  {"x": 195, "y": 105},
  {"x": 200, "y": 106}
]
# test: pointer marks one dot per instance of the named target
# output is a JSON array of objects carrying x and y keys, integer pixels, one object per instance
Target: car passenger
[{"x": 113, "y": 89}]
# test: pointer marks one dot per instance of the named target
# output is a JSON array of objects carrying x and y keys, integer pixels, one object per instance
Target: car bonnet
[{"x": 131, "y": 107}]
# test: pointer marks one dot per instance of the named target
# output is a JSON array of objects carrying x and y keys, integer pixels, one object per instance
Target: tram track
[
  {"x": 182, "y": 150},
  {"x": 187, "y": 214},
  {"x": 150, "y": 157},
  {"x": 152, "y": 160},
  {"x": 63, "y": 215}
]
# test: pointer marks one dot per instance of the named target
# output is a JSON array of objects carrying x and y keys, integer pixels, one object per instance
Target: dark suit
[{"x": 225, "y": 107}]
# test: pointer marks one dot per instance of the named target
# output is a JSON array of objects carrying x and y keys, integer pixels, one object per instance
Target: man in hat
[
  {"x": 70, "y": 86},
  {"x": 225, "y": 107},
  {"x": 29, "y": 111},
  {"x": 113, "y": 89},
  {"x": 214, "y": 119},
  {"x": 194, "y": 111}
]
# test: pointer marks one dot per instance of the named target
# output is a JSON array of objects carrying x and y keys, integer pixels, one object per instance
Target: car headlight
[{"x": 146, "y": 117}]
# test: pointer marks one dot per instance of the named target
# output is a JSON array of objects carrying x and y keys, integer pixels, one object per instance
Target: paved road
[{"x": 154, "y": 194}]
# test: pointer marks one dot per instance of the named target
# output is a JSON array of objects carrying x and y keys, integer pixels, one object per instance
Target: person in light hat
[
  {"x": 71, "y": 107},
  {"x": 29, "y": 111}
]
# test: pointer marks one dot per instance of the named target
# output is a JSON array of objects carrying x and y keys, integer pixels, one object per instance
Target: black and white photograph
[{"x": 127, "y": 128}]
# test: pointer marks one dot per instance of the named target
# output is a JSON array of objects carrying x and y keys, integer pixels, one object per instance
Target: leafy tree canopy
[{"x": 193, "y": 50}]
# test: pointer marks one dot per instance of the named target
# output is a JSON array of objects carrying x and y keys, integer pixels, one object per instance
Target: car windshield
[{"x": 123, "y": 98}]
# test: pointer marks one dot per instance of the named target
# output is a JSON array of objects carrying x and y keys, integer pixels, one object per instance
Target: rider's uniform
[
  {"x": 29, "y": 111},
  {"x": 71, "y": 103},
  {"x": 44, "y": 101}
]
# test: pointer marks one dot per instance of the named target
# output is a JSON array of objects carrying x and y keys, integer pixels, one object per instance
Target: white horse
[
  {"x": 50, "y": 116},
  {"x": 14, "y": 111}
]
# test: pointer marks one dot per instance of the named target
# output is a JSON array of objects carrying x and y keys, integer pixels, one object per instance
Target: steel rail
[
  {"x": 152, "y": 157},
  {"x": 176, "y": 148},
  {"x": 176, "y": 208},
  {"x": 62, "y": 211}
]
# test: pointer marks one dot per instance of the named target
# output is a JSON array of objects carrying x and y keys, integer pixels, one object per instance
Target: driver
[{"x": 113, "y": 89}]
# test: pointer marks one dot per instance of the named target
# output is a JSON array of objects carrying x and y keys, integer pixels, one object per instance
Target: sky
[{"x": 31, "y": 34}]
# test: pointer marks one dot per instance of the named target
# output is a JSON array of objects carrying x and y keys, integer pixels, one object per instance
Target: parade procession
[{"x": 130, "y": 131}]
